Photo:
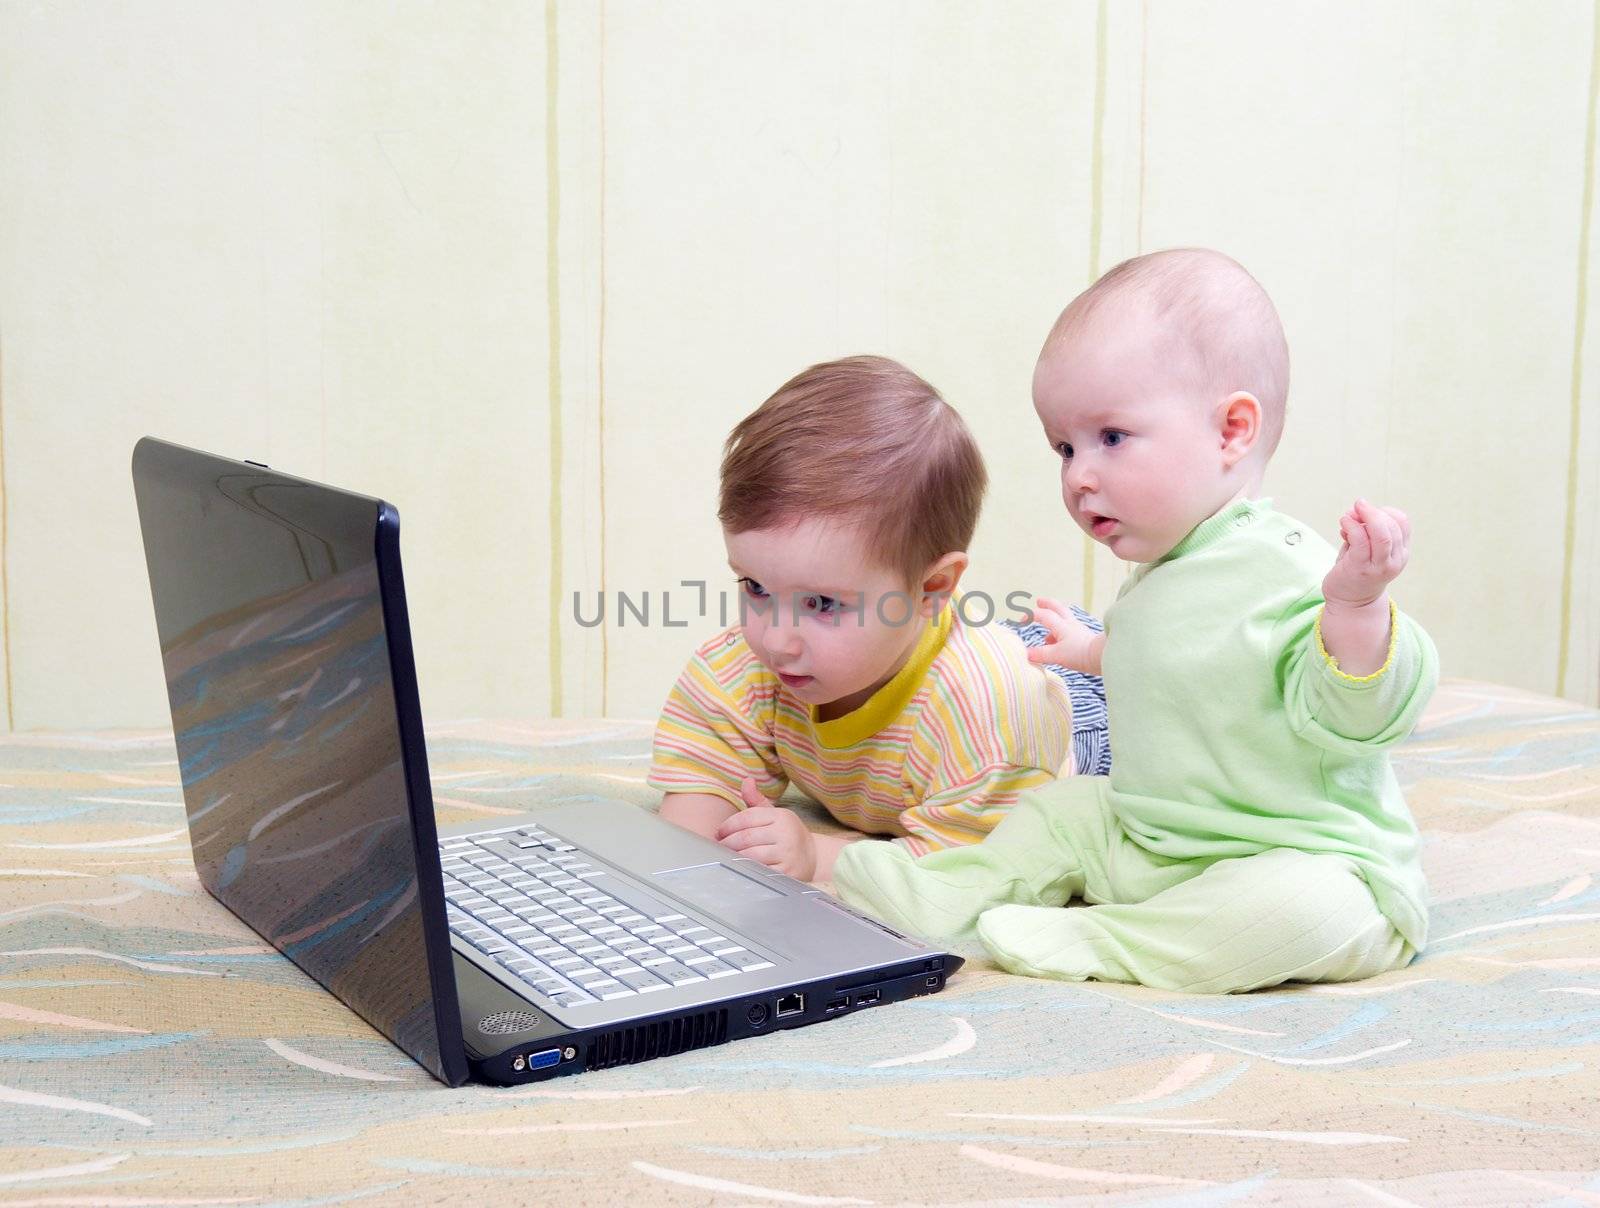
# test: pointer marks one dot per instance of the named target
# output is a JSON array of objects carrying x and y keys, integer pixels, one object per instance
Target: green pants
[{"x": 1205, "y": 926}]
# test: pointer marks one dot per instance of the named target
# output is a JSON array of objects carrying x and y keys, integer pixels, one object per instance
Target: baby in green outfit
[{"x": 1251, "y": 831}]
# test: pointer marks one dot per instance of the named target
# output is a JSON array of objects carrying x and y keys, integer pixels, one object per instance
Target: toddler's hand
[
  {"x": 1072, "y": 643},
  {"x": 1376, "y": 544},
  {"x": 772, "y": 834}
]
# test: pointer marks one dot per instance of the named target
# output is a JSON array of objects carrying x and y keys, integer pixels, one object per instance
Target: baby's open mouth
[{"x": 1100, "y": 526}]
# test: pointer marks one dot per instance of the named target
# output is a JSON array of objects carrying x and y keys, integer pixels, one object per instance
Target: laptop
[{"x": 575, "y": 938}]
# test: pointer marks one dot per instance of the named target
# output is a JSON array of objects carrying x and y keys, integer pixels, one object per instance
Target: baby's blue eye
[
  {"x": 754, "y": 589},
  {"x": 1112, "y": 438},
  {"x": 1064, "y": 450}
]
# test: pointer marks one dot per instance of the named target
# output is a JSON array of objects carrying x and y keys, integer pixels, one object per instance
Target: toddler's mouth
[{"x": 794, "y": 681}]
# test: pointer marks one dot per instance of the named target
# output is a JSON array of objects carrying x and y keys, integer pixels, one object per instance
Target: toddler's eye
[
  {"x": 822, "y": 606},
  {"x": 1064, "y": 450},
  {"x": 753, "y": 589},
  {"x": 1112, "y": 438}
]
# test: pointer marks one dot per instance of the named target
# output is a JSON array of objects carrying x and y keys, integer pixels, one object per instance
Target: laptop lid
[{"x": 281, "y": 614}]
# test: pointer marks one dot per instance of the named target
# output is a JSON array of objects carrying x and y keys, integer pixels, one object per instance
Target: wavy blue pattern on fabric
[
  {"x": 78, "y": 1050},
  {"x": 1482, "y": 1058}
]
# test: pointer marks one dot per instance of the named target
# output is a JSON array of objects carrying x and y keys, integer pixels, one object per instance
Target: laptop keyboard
[{"x": 572, "y": 929}]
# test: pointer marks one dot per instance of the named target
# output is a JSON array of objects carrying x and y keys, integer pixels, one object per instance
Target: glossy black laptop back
[{"x": 288, "y": 662}]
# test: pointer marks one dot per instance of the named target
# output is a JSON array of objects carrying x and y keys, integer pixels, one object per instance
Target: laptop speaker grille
[
  {"x": 508, "y": 1022},
  {"x": 663, "y": 1038}
]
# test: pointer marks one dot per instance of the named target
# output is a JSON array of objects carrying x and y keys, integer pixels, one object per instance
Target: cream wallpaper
[{"x": 518, "y": 267}]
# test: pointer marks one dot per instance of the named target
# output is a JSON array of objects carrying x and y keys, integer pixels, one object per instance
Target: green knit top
[{"x": 1233, "y": 731}]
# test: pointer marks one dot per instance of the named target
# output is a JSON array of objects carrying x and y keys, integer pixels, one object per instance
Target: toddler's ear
[
  {"x": 1239, "y": 424},
  {"x": 939, "y": 581}
]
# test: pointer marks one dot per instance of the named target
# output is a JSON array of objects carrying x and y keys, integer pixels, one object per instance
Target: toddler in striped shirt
[{"x": 857, "y": 674}]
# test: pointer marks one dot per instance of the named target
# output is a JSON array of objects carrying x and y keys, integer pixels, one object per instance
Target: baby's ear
[
  {"x": 1239, "y": 425},
  {"x": 939, "y": 581}
]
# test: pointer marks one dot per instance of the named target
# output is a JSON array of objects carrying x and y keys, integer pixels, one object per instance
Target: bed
[{"x": 152, "y": 1051}]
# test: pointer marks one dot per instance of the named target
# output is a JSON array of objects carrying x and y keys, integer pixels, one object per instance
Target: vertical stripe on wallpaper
[
  {"x": 1144, "y": 112},
  {"x": 1580, "y": 320},
  {"x": 5, "y": 551},
  {"x": 1096, "y": 217},
  {"x": 552, "y": 170},
  {"x": 605, "y": 641}
]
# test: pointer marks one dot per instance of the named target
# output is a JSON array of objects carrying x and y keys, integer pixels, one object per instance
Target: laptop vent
[
  {"x": 507, "y": 1023},
  {"x": 624, "y": 1046}
]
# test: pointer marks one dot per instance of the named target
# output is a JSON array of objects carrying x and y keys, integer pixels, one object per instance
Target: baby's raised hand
[
  {"x": 1072, "y": 643},
  {"x": 1375, "y": 546},
  {"x": 770, "y": 833}
]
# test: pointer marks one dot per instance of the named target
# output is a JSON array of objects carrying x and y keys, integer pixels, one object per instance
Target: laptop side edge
[{"x": 419, "y": 794}]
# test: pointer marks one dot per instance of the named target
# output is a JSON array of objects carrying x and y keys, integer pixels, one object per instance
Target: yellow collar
[{"x": 889, "y": 701}]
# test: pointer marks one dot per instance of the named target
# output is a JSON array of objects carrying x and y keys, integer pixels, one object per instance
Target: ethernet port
[{"x": 791, "y": 1004}]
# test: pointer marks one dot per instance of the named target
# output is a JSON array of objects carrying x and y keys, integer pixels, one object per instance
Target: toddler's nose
[{"x": 782, "y": 641}]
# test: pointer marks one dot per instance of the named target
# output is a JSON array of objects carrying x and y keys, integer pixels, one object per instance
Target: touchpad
[{"x": 717, "y": 887}]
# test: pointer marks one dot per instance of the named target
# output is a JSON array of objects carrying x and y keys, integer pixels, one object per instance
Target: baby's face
[
  {"x": 1141, "y": 450},
  {"x": 820, "y": 613}
]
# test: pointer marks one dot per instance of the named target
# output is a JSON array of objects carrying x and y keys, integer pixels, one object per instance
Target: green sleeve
[{"x": 1350, "y": 714}]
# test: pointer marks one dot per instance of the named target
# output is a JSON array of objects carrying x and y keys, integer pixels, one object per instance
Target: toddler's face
[
  {"x": 820, "y": 613},
  {"x": 1141, "y": 452}
]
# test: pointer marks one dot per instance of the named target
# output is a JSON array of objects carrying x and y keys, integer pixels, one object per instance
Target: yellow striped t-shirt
[{"x": 935, "y": 757}]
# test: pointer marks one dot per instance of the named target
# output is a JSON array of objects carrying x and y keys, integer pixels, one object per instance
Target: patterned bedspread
[{"x": 152, "y": 1051}]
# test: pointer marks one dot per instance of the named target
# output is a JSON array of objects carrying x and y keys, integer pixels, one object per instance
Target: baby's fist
[{"x": 1375, "y": 545}]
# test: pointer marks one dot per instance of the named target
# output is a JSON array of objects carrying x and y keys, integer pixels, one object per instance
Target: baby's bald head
[{"x": 1207, "y": 316}]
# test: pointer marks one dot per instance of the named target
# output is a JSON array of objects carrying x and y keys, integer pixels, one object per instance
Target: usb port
[
  {"x": 791, "y": 1004},
  {"x": 836, "y": 1005},
  {"x": 868, "y": 998}
]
